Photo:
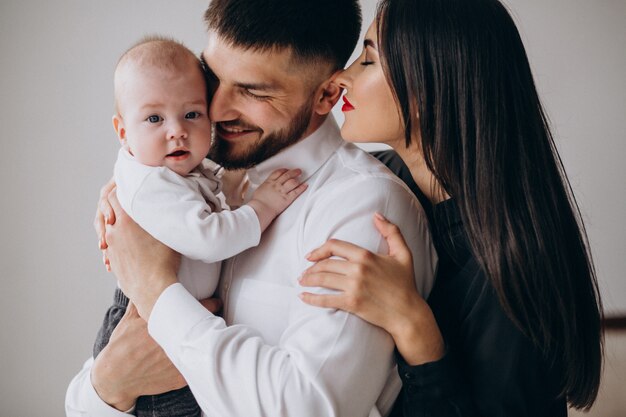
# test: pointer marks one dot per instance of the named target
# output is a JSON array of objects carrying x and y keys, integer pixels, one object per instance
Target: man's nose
[{"x": 223, "y": 105}]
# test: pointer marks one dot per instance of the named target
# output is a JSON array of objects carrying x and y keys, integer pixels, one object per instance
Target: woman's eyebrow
[{"x": 369, "y": 42}]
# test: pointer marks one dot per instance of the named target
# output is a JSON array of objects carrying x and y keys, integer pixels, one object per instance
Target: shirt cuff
[
  {"x": 440, "y": 375},
  {"x": 174, "y": 314},
  {"x": 97, "y": 407}
]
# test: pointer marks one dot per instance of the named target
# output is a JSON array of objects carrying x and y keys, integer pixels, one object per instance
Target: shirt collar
[{"x": 309, "y": 154}]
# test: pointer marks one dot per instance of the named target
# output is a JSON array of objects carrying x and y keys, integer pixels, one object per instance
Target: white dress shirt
[
  {"x": 185, "y": 213},
  {"x": 273, "y": 355}
]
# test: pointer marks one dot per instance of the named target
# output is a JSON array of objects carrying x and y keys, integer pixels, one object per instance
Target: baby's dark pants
[{"x": 178, "y": 403}]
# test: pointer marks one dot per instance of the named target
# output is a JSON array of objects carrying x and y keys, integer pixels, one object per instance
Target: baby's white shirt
[{"x": 189, "y": 214}]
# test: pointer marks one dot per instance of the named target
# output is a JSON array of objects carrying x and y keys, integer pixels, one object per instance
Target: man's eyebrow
[
  {"x": 248, "y": 86},
  {"x": 258, "y": 86},
  {"x": 369, "y": 42}
]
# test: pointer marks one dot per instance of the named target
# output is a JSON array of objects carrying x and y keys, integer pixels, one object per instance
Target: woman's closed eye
[
  {"x": 367, "y": 55},
  {"x": 366, "y": 60}
]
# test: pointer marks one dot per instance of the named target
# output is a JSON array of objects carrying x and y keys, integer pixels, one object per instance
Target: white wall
[
  {"x": 57, "y": 59},
  {"x": 576, "y": 49}
]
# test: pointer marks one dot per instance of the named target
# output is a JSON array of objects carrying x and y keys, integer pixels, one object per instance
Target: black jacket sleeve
[{"x": 432, "y": 389}]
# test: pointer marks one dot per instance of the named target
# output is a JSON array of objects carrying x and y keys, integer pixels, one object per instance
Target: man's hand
[
  {"x": 143, "y": 266},
  {"x": 132, "y": 364},
  {"x": 104, "y": 215}
]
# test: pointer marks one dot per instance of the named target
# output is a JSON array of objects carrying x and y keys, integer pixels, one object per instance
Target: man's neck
[{"x": 316, "y": 121}]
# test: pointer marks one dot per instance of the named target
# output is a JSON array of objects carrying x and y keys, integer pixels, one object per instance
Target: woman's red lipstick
[{"x": 347, "y": 106}]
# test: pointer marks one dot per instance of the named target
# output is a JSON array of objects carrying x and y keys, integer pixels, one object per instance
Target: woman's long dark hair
[{"x": 461, "y": 77}]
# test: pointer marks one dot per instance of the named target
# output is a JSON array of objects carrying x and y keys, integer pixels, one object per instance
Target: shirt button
[{"x": 408, "y": 376}]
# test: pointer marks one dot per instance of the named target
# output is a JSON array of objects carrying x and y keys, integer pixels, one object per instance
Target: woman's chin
[{"x": 353, "y": 135}]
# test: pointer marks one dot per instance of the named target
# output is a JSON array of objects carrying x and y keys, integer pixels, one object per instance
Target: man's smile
[{"x": 230, "y": 131}]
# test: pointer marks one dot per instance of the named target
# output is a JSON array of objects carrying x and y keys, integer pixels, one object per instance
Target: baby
[{"x": 168, "y": 187}]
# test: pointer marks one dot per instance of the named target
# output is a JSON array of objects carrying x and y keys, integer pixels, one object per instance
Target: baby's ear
[{"x": 118, "y": 125}]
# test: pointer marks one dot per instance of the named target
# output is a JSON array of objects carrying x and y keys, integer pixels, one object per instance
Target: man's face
[{"x": 262, "y": 102}]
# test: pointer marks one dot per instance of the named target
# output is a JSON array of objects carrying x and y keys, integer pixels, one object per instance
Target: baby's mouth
[{"x": 178, "y": 153}]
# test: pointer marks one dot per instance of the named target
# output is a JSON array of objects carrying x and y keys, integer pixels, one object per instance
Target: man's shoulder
[{"x": 353, "y": 168}]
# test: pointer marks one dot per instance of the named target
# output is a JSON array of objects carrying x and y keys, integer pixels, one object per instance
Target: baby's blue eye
[
  {"x": 192, "y": 115},
  {"x": 154, "y": 118}
]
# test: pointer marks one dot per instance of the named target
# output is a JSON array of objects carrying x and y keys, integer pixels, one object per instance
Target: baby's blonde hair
[{"x": 154, "y": 51}]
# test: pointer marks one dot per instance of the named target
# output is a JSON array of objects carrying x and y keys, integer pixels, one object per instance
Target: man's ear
[
  {"x": 118, "y": 125},
  {"x": 328, "y": 95}
]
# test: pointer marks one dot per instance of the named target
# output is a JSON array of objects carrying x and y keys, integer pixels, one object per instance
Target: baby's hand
[{"x": 278, "y": 191}]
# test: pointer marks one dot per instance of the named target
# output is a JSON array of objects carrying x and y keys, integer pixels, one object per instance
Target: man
[{"x": 273, "y": 65}]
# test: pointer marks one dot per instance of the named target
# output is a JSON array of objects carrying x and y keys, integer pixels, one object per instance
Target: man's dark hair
[{"x": 320, "y": 29}]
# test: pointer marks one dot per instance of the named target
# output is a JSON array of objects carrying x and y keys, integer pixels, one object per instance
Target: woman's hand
[
  {"x": 143, "y": 266},
  {"x": 378, "y": 288}
]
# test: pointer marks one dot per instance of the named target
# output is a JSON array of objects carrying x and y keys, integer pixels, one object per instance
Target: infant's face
[{"x": 164, "y": 114}]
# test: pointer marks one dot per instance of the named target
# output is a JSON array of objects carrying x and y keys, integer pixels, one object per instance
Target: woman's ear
[
  {"x": 328, "y": 95},
  {"x": 118, "y": 125}
]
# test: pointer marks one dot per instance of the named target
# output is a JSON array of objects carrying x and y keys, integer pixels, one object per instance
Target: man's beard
[{"x": 266, "y": 146}]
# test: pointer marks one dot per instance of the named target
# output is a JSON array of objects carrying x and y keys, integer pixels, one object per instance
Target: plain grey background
[{"x": 58, "y": 147}]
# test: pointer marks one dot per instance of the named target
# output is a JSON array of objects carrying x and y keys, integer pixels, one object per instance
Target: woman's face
[{"x": 371, "y": 113}]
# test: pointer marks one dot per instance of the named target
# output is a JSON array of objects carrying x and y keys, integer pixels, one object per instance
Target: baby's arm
[
  {"x": 276, "y": 193},
  {"x": 172, "y": 210}
]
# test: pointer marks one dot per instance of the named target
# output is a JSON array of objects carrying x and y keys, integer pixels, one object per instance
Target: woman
[{"x": 448, "y": 85}]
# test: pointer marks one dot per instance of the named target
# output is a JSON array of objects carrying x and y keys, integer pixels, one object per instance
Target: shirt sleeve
[
  {"x": 327, "y": 362},
  {"x": 82, "y": 400},
  {"x": 432, "y": 390},
  {"x": 173, "y": 210}
]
